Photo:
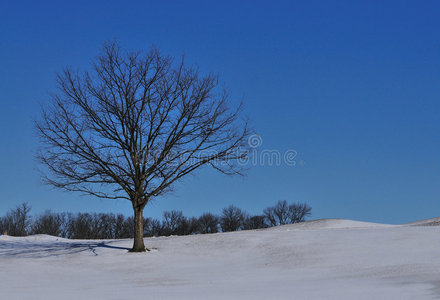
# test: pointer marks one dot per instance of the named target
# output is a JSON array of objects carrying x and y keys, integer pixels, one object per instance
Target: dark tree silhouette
[
  {"x": 155, "y": 228},
  {"x": 17, "y": 221},
  {"x": 232, "y": 219},
  {"x": 189, "y": 226},
  {"x": 255, "y": 222},
  {"x": 282, "y": 213},
  {"x": 123, "y": 227},
  {"x": 208, "y": 223},
  {"x": 175, "y": 223},
  {"x": 134, "y": 125},
  {"x": 172, "y": 221},
  {"x": 49, "y": 223}
]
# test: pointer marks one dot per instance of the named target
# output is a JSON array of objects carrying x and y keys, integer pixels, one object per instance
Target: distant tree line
[{"x": 19, "y": 222}]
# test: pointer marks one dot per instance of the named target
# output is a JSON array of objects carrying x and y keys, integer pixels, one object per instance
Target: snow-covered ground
[{"x": 323, "y": 259}]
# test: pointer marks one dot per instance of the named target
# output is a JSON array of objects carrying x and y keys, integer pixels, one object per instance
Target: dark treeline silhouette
[{"x": 18, "y": 222}]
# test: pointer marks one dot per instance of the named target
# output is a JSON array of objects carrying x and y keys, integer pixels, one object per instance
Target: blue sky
[{"x": 352, "y": 86}]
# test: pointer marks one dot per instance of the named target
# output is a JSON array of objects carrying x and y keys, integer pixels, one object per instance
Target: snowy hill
[
  {"x": 426, "y": 222},
  {"x": 328, "y": 224},
  {"x": 322, "y": 259}
]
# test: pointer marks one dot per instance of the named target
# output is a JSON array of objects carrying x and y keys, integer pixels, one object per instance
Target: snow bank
[{"x": 32, "y": 238}]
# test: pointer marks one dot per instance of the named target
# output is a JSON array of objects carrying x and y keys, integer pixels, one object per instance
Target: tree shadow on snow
[{"x": 27, "y": 249}]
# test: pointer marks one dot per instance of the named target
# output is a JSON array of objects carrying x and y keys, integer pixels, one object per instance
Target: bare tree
[
  {"x": 189, "y": 226},
  {"x": 134, "y": 125},
  {"x": 49, "y": 223},
  {"x": 17, "y": 221},
  {"x": 172, "y": 220},
  {"x": 80, "y": 226},
  {"x": 299, "y": 212},
  {"x": 278, "y": 214},
  {"x": 282, "y": 213},
  {"x": 255, "y": 222},
  {"x": 208, "y": 223},
  {"x": 175, "y": 223},
  {"x": 124, "y": 227},
  {"x": 232, "y": 219},
  {"x": 106, "y": 226},
  {"x": 155, "y": 228}
]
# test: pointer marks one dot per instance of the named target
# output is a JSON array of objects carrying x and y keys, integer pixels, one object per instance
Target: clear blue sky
[{"x": 352, "y": 86}]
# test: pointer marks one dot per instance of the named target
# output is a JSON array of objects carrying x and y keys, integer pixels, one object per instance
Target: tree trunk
[{"x": 138, "y": 245}]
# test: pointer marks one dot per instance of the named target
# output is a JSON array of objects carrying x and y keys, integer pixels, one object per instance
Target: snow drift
[{"x": 322, "y": 259}]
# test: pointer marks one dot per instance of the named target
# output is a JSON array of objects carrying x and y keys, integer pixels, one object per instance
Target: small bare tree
[
  {"x": 232, "y": 218},
  {"x": 172, "y": 220},
  {"x": 17, "y": 221},
  {"x": 134, "y": 125},
  {"x": 282, "y": 213},
  {"x": 49, "y": 223},
  {"x": 255, "y": 222},
  {"x": 208, "y": 223}
]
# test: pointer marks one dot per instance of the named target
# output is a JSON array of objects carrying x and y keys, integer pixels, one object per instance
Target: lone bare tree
[{"x": 134, "y": 125}]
